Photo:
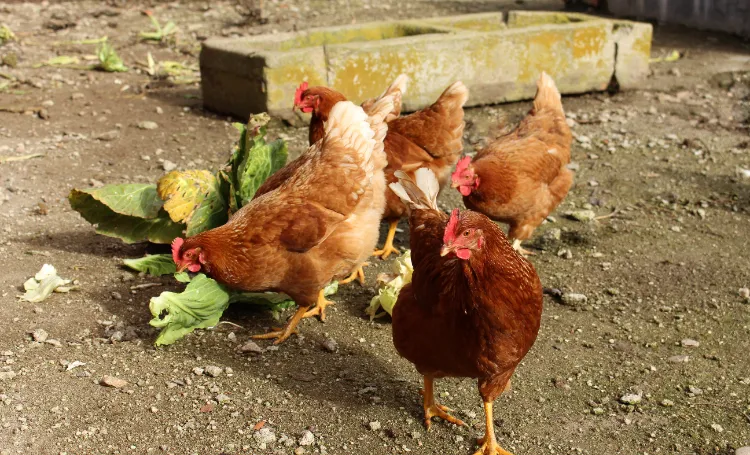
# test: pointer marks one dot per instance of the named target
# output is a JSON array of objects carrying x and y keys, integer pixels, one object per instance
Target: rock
[
  {"x": 307, "y": 439},
  {"x": 111, "y": 381},
  {"x": 213, "y": 371},
  {"x": 631, "y": 398},
  {"x": 222, "y": 398},
  {"x": 679, "y": 359},
  {"x": 53, "y": 342},
  {"x": 198, "y": 371},
  {"x": 573, "y": 299},
  {"x": 717, "y": 428},
  {"x": 39, "y": 335},
  {"x": 148, "y": 125},
  {"x": 689, "y": 343},
  {"x": 299, "y": 451},
  {"x": 742, "y": 451},
  {"x": 264, "y": 436},
  {"x": 109, "y": 135},
  {"x": 330, "y": 345},
  {"x": 581, "y": 215},
  {"x": 7, "y": 375},
  {"x": 168, "y": 165},
  {"x": 565, "y": 253},
  {"x": 159, "y": 110},
  {"x": 374, "y": 426},
  {"x": 549, "y": 240},
  {"x": 667, "y": 403},
  {"x": 77, "y": 96},
  {"x": 597, "y": 411},
  {"x": 693, "y": 390},
  {"x": 745, "y": 294},
  {"x": 251, "y": 347}
]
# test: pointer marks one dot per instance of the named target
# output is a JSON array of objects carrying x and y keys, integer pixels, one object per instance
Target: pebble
[
  {"x": 330, "y": 345},
  {"x": 198, "y": 371},
  {"x": 307, "y": 439},
  {"x": 77, "y": 96},
  {"x": 251, "y": 347},
  {"x": 667, "y": 403},
  {"x": 694, "y": 390},
  {"x": 689, "y": 343},
  {"x": 742, "y": 451},
  {"x": 148, "y": 125},
  {"x": 53, "y": 342},
  {"x": 264, "y": 436},
  {"x": 581, "y": 215},
  {"x": 573, "y": 299},
  {"x": 39, "y": 335},
  {"x": 213, "y": 371},
  {"x": 374, "y": 426},
  {"x": 48, "y": 103},
  {"x": 565, "y": 253},
  {"x": 745, "y": 294},
  {"x": 168, "y": 165},
  {"x": 111, "y": 381},
  {"x": 7, "y": 375},
  {"x": 631, "y": 398},
  {"x": 679, "y": 359},
  {"x": 222, "y": 398},
  {"x": 109, "y": 135},
  {"x": 159, "y": 110},
  {"x": 116, "y": 295},
  {"x": 299, "y": 451},
  {"x": 717, "y": 428},
  {"x": 597, "y": 411}
]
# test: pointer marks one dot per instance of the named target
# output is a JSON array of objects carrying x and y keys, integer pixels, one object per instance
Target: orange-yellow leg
[
  {"x": 522, "y": 251},
  {"x": 290, "y": 328},
  {"x": 320, "y": 307},
  {"x": 388, "y": 248},
  {"x": 489, "y": 445},
  {"x": 432, "y": 409},
  {"x": 358, "y": 274}
]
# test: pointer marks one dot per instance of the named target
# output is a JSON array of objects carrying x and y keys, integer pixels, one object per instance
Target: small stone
[
  {"x": 213, "y": 371},
  {"x": 679, "y": 359},
  {"x": 742, "y": 451},
  {"x": 330, "y": 345},
  {"x": 116, "y": 295},
  {"x": 148, "y": 125},
  {"x": 745, "y": 294},
  {"x": 581, "y": 215},
  {"x": 77, "y": 96},
  {"x": 299, "y": 451},
  {"x": 689, "y": 343},
  {"x": 459, "y": 439},
  {"x": 7, "y": 375},
  {"x": 222, "y": 398},
  {"x": 198, "y": 371},
  {"x": 264, "y": 436},
  {"x": 549, "y": 240},
  {"x": 39, "y": 335},
  {"x": 631, "y": 398},
  {"x": 111, "y": 381},
  {"x": 159, "y": 110},
  {"x": 374, "y": 426},
  {"x": 676, "y": 229},
  {"x": 693, "y": 390},
  {"x": 109, "y": 135},
  {"x": 251, "y": 347},
  {"x": 717, "y": 428},
  {"x": 597, "y": 411},
  {"x": 307, "y": 439},
  {"x": 565, "y": 253},
  {"x": 573, "y": 299},
  {"x": 48, "y": 103},
  {"x": 53, "y": 342},
  {"x": 667, "y": 403},
  {"x": 168, "y": 165}
]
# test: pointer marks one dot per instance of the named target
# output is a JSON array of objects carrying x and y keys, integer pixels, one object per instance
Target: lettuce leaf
[
  {"x": 195, "y": 198},
  {"x": 153, "y": 264},
  {"x": 402, "y": 270}
]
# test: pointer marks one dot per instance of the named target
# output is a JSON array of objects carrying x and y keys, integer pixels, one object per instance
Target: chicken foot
[
  {"x": 388, "y": 248},
  {"x": 522, "y": 251},
  {"x": 488, "y": 443},
  {"x": 358, "y": 274},
  {"x": 432, "y": 409},
  {"x": 320, "y": 307},
  {"x": 290, "y": 328}
]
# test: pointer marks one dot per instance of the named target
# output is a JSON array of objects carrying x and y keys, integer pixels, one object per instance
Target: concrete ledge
[{"x": 499, "y": 59}]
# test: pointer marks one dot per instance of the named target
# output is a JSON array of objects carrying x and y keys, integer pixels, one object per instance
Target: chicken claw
[
  {"x": 388, "y": 248},
  {"x": 320, "y": 307},
  {"x": 286, "y": 332},
  {"x": 432, "y": 409},
  {"x": 520, "y": 250},
  {"x": 488, "y": 443},
  {"x": 358, "y": 274}
]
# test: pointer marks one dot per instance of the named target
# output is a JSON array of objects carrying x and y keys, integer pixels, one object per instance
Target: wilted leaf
[
  {"x": 199, "y": 306},
  {"x": 132, "y": 212},
  {"x": 61, "y": 60},
  {"x": 195, "y": 198},
  {"x": 109, "y": 60},
  {"x": 153, "y": 264},
  {"x": 6, "y": 34},
  {"x": 388, "y": 294}
]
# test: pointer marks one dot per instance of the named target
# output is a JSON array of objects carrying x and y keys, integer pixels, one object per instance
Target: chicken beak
[
  {"x": 445, "y": 250},
  {"x": 181, "y": 268},
  {"x": 454, "y": 185}
]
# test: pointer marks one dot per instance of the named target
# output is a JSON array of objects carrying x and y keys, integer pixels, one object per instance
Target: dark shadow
[
  {"x": 727, "y": 192},
  {"x": 89, "y": 242}
]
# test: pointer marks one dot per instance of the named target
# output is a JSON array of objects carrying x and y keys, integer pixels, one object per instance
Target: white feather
[{"x": 428, "y": 183}]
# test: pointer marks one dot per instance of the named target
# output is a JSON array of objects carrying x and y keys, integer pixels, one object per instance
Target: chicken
[
  {"x": 521, "y": 177},
  {"x": 474, "y": 305},
  {"x": 431, "y": 137},
  {"x": 320, "y": 223}
]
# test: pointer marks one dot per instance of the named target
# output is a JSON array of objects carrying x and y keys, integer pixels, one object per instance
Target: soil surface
[{"x": 664, "y": 320}]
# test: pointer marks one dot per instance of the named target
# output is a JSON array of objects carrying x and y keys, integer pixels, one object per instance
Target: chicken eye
[{"x": 466, "y": 233}]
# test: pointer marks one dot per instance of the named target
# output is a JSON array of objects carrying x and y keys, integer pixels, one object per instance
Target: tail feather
[
  {"x": 547, "y": 95},
  {"x": 421, "y": 194},
  {"x": 395, "y": 92},
  {"x": 455, "y": 95},
  {"x": 350, "y": 124}
]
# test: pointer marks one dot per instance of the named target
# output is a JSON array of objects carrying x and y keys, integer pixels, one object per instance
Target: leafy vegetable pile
[
  {"x": 189, "y": 201},
  {"x": 391, "y": 285}
]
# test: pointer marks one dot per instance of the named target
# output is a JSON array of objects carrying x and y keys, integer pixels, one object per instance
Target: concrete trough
[{"x": 499, "y": 58}]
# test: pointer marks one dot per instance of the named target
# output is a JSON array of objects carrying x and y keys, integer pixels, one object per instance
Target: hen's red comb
[
  {"x": 176, "y": 245},
  {"x": 463, "y": 164},
  {"x": 298, "y": 94},
  {"x": 450, "y": 230}
]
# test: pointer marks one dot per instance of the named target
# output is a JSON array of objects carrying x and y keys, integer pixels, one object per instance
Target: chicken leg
[
  {"x": 522, "y": 251},
  {"x": 320, "y": 307},
  {"x": 358, "y": 274},
  {"x": 489, "y": 445},
  {"x": 291, "y": 327},
  {"x": 432, "y": 409},
  {"x": 388, "y": 248}
]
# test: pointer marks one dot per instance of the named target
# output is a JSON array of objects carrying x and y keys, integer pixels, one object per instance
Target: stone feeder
[{"x": 499, "y": 58}]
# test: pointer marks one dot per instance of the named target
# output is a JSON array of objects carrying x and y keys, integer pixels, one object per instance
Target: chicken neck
[
  {"x": 388, "y": 248},
  {"x": 489, "y": 445},
  {"x": 432, "y": 409}
]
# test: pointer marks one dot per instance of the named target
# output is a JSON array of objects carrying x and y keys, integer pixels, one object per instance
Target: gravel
[
  {"x": 307, "y": 439},
  {"x": 573, "y": 299},
  {"x": 631, "y": 398},
  {"x": 374, "y": 426},
  {"x": 213, "y": 371},
  {"x": 39, "y": 335},
  {"x": 112, "y": 381}
]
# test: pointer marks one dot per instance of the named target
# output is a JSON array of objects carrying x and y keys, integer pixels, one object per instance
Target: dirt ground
[{"x": 661, "y": 274}]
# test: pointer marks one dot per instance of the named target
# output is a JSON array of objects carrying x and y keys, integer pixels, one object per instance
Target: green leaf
[
  {"x": 195, "y": 198},
  {"x": 182, "y": 277},
  {"x": 199, "y": 306},
  {"x": 255, "y": 159},
  {"x": 402, "y": 270},
  {"x": 109, "y": 60},
  {"x": 6, "y": 34},
  {"x": 153, "y": 264},
  {"x": 132, "y": 213}
]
